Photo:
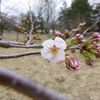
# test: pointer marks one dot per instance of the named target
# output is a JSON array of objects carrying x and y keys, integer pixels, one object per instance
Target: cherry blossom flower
[{"x": 53, "y": 50}]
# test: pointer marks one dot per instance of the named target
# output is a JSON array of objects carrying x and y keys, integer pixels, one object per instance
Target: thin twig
[
  {"x": 75, "y": 47},
  {"x": 40, "y": 12},
  {"x": 28, "y": 87},
  {"x": 90, "y": 27}
]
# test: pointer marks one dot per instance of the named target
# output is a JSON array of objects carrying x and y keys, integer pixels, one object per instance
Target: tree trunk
[
  {"x": 1, "y": 29},
  {"x": 53, "y": 29}
]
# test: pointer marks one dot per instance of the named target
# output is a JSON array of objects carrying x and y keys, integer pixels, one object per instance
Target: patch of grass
[
  {"x": 61, "y": 90},
  {"x": 36, "y": 72},
  {"x": 59, "y": 81},
  {"x": 1, "y": 98},
  {"x": 17, "y": 68},
  {"x": 34, "y": 63},
  {"x": 77, "y": 77},
  {"x": 12, "y": 99},
  {"x": 7, "y": 93},
  {"x": 7, "y": 88}
]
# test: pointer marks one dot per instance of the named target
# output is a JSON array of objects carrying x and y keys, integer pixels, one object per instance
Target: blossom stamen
[{"x": 54, "y": 50}]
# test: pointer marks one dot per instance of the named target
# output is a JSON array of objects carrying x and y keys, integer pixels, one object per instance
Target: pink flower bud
[
  {"x": 98, "y": 48},
  {"x": 94, "y": 42},
  {"x": 82, "y": 41},
  {"x": 39, "y": 25},
  {"x": 97, "y": 39},
  {"x": 97, "y": 45},
  {"x": 24, "y": 19},
  {"x": 79, "y": 36},
  {"x": 72, "y": 63},
  {"x": 58, "y": 33},
  {"x": 19, "y": 27},
  {"x": 74, "y": 30},
  {"x": 81, "y": 24},
  {"x": 96, "y": 35},
  {"x": 89, "y": 62},
  {"x": 66, "y": 31},
  {"x": 25, "y": 33}
]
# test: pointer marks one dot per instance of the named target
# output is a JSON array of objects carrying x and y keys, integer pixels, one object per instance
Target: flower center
[{"x": 54, "y": 50}]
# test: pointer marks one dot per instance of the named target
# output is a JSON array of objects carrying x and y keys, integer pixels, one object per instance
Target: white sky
[{"x": 22, "y": 5}]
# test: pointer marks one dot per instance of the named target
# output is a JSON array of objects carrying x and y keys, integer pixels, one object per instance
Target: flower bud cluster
[
  {"x": 88, "y": 58},
  {"x": 25, "y": 31},
  {"x": 36, "y": 37},
  {"x": 20, "y": 28},
  {"x": 92, "y": 45},
  {"x": 24, "y": 20},
  {"x": 72, "y": 63},
  {"x": 66, "y": 34},
  {"x": 78, "y": 39}
]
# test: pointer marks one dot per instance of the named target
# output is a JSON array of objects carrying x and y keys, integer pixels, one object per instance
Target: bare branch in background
[
  {"x": 32, "y": 23},
  {"x": 40, "y": 11},
  {"x": 28, "y": 87},
  {"x": 30, "y": 33},
  {"x": 90, "y": 27}
]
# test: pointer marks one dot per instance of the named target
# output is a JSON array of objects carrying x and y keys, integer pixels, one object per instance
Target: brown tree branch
[
  {"x": 9, "y": 44},
  {"x": 18, "y": 55},
  {"x": 33, "y": 52},
  {"x": 28, "y": 87}
]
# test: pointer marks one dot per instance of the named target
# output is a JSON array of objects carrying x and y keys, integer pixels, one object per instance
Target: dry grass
[{"x": 76, "y": 85}]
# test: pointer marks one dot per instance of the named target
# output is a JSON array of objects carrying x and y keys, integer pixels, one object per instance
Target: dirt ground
[{"x": 83, "y": 84}]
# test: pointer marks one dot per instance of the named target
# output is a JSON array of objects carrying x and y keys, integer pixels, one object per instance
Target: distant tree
[
  {"x": 96, "y": 15},
  {"x": 64, "y": 17},
  {"x": 48, "y": 14},
  {"x": 6, "y": 15},
  {"x": 80, "y": 11}
]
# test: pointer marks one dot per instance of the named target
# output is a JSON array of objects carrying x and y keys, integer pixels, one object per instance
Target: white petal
[
  {"x": 61, "y": 55},
  {"x": 59, "y": 42},
  {"x": 45, "y": 53},
  {"x": 48, "y": 43},
  {"x": 53, "y": 59}
]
